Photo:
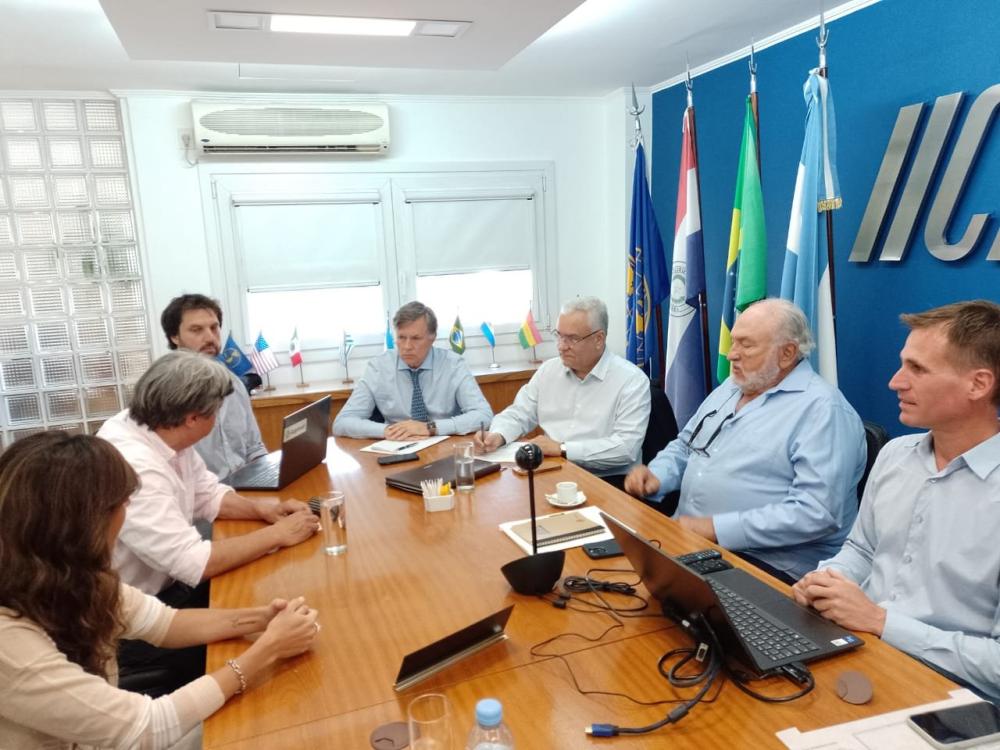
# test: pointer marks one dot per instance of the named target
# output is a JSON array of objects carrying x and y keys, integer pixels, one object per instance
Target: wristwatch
[
  {"x": 562, "y": 449},
  {"x": 432, "y": 428}
]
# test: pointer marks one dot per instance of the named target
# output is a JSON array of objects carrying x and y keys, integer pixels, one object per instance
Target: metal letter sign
[{"x": 915, "y": 192}]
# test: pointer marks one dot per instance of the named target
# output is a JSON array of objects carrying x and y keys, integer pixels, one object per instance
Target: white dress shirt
[
  {"x": 601, "y": 418},
  {"x": 925, "y": 549},
  {"x": 158, "y": 543}
]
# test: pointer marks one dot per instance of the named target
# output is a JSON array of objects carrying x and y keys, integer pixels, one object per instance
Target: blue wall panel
[{"x": 886, "y": 56}]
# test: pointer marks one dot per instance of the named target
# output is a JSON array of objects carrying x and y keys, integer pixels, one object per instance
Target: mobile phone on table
[
  {"x": 546, "y": 466},
  {"x": 397, "y": 458},
  {"x": 970, "y": 725},
  {"x": 600, "y": 550}
]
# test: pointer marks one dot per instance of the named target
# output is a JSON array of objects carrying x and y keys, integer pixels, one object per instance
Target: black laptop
[
  {"x": 757, "y": 626},
  {"x": 303, "y": 446},
  {"x": 443, "y": 469}
]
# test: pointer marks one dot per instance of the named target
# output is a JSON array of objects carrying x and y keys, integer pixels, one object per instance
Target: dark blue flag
[
  {"x": 234, "y": 358},
  {"x": 647, "y": 281}
]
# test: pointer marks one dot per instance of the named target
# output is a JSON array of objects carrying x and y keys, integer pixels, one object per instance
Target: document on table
[
  {"x": 503, "y": 454},
  {"x": 403, "y": 446},
  {"x": 884, "y": 731},
  {"x": 591, "y": 514}
]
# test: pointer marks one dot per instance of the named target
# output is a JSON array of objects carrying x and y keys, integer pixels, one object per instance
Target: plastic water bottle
[{"x": 490, "y": 733}]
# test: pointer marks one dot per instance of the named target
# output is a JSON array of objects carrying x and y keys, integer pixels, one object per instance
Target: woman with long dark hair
[{"x": 63, "y": 610}]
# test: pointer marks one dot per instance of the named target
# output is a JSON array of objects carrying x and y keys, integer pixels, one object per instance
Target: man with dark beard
[
  {"x": 769, "y": 464},
  {"x": 194, "y": 322}
]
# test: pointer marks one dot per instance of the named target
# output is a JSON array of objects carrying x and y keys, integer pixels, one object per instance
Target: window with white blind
[
  {"x": 74, "y": 335},
  {"x": 325, "y": 253}
]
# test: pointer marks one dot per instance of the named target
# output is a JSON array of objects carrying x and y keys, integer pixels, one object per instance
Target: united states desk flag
[
  {"x": 234, "y": 358},
  {"x": 261, "y": 355},
  {"x": 646, "y": 280},
  {"x": 746, "y": 265},
  {"x": 457, "y": 337},
  {"x": 686, "y": 344},
  {"x": 805, "y": 279}
]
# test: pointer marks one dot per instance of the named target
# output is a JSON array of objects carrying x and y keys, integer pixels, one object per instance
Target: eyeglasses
[
  {"x": 571, "y": 341},
  {"x": 703, "y": 450}
]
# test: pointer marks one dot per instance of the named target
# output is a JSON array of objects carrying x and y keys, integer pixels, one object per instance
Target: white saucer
[{"x": 553, "y": 499}]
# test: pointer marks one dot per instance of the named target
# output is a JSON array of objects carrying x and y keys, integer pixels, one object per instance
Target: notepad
[{"x": 570, "y": 528}]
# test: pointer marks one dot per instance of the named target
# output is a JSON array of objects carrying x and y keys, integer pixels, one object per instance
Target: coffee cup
[{"x": 566, "y": 493}]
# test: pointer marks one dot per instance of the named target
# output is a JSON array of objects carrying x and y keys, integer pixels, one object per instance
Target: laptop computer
[
  {"x": 303, "y": 446},
  {"x": 443, "y": 468},
  {"x": 757, "y": 626},
  {"x": 429, "y": 660}
]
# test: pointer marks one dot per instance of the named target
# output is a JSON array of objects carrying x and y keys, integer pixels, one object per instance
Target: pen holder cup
[
  {"x": 535, "y": 574},
  {"x": 434, "y": 503}
]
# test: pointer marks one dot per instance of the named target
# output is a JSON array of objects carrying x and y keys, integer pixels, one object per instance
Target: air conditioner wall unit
[{"x": 263, "y": 128}]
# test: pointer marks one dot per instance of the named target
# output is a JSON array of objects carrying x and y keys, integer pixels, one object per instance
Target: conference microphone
[{"x": 538, "y": 573}]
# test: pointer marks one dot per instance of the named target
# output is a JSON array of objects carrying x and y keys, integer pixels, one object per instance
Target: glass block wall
[{"x": 74, "y": 334}]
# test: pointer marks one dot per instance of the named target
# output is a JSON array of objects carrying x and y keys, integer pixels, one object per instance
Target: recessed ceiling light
[
  {"x": 342, "y": 25},
  {"x": 354, "y": 26}
]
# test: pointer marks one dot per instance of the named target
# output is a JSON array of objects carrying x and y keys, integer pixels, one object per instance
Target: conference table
[{"x": 410, "y": 577}]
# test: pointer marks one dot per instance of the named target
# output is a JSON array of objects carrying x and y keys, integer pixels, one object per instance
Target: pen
[{"x": 404, "y": 447}]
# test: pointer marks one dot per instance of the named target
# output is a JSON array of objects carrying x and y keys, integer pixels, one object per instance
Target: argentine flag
[{"x": 805, "y": 279}]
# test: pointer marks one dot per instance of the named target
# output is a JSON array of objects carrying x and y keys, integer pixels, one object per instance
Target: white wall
[{"x": 586, "y": 139}]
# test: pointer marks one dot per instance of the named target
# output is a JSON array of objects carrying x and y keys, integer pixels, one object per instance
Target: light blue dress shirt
[
  {"x": 451, "y": 394},
  {"x": 780, "y": 478},
  {"x": 235, "y": 440},
  {"x": 925, "y": 549}
]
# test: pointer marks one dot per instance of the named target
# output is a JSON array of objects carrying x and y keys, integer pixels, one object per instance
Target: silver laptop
[{"x": 303, "y": 446}]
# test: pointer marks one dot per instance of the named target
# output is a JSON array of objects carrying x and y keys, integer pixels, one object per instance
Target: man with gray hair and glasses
[
  {"x": 591, "y": 404},
  {"x": 769, "y": 464},
  {"x": 174, "y": 406}
]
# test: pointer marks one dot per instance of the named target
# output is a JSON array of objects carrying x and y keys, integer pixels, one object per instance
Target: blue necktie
[{"x": 418, "y": 409}]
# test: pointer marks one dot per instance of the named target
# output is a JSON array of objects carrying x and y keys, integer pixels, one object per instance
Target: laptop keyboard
[
  {"x": 776, "y": 642},
  {"x": 268, "y": 474}
]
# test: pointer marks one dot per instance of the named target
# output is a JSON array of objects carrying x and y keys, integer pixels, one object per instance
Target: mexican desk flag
[
  {"x": 295, "y": 349},
  {"x": 746, "y": 265}
]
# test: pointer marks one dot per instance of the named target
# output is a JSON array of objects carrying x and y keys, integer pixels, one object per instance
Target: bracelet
[{"x": 239, "y": 674}]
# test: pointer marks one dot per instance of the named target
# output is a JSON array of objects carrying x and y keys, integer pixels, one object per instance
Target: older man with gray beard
[{"x": 769, "y": 464}]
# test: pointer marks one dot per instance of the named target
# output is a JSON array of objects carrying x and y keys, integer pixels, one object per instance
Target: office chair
[
  {"x": 660, "y": 430},
  {"x": 875, "y": 437}
]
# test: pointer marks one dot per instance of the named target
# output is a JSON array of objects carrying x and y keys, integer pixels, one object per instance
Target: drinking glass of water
[
  {"x": 333, "y": 519},
  {"x": 465, "y": 459},
  {"x": 430, "y": 723}
]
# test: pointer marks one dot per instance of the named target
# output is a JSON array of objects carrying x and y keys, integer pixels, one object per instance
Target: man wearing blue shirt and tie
[
  {"x": 419, "y": 390},
  {"x": 920, "y": 568},
  {"x": 769, "y": 464}
]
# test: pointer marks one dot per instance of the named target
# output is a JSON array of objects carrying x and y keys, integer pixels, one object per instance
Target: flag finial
[{"x": 635, "y": 110}]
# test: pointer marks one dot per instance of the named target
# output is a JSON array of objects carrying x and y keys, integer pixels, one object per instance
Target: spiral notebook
[{"x": 570, "y": 528}]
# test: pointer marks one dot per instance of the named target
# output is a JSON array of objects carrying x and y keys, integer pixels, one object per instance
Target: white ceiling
[{"x": 514, "y": 47}]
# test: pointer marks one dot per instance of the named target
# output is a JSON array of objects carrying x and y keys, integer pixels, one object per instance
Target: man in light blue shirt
[
  {"x": 920, "y": 567},
  {"x": 769, "y": 464},
  {"x": 419, "y": 390}
]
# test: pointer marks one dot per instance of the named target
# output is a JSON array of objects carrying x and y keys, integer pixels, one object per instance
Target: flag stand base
[
  {"x": 494, "y": 365},
  {"x": 347, "y": 381},
  {"x": 265, "y": 388},
  {"x": 302, "y": 385}
]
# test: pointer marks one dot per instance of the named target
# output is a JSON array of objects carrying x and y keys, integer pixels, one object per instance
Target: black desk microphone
[{"x": 538, "y": 573}]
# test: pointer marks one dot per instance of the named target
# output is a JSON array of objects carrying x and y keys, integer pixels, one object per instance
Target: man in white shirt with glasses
[
  {"x": 591, "y": 404},
  {"x": 769, "y": 464}
]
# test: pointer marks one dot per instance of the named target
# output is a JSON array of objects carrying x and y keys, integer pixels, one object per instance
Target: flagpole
[
  {"x": 823, "y": 72},
  {"x": 267, "y": 383},
  {"x": 754, "y": 107},
  {"x": 302, "y": 379},
  {"x": 702, "y": 296}
]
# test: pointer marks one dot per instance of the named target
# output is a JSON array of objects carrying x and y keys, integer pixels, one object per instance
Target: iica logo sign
[{"x": 915, "y": 191}]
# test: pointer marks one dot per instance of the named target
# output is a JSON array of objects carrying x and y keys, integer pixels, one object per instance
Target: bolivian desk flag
[{"x": 529, "y": 335}]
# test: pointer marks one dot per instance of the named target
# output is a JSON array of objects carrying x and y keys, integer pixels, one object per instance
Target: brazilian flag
[{"x": 457, "y": 337}]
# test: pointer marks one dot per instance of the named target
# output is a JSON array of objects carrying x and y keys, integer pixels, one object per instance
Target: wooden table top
[{"x": 411, "y": 577}]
